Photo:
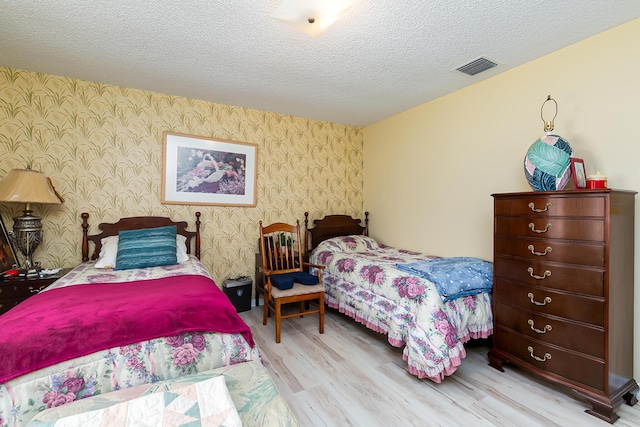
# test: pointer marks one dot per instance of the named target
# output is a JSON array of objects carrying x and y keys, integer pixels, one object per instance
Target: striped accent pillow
[{"x": 146, "y": 247}]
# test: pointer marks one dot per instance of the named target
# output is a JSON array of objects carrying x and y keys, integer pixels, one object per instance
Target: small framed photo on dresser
[
  {"x": 8, "y": 258},
  {"x": 578, "y": 173}
]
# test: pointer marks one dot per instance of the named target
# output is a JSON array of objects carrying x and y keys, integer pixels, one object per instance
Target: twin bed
[
  {"x": 401, "y": 293},
  {"x": 98, "y": 331}
]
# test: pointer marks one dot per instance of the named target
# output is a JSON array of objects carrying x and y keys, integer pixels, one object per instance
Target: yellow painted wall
[
  {"x": 102, "y": 147},
  {"x": 429, "y": 172}
]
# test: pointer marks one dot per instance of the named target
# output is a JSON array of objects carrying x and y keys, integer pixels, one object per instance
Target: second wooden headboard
[{"x": 333, "y": 226}]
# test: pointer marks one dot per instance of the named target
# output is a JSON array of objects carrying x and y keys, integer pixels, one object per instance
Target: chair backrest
[{"x": 281, "y": 248}]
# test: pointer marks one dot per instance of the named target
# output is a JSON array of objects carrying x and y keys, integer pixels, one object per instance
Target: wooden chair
[{"x": 286, "y": 280}]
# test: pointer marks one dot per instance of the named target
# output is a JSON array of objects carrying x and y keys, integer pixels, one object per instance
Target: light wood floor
[{"x": 350, "y": 376}]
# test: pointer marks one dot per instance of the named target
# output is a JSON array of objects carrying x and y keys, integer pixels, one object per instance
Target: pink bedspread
[{"x": 74, "y": 321}]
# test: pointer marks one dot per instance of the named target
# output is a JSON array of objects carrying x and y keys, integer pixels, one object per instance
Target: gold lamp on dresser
[{"x": 28, "y": 186}]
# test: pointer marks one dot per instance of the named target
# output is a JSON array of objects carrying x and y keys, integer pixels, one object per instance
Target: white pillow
[
  {"x": 181, "y": 248},
  {"x": 109, "y": 251}
]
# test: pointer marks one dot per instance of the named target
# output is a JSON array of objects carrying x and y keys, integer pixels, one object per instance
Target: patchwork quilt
[
  {"x": 207, "y": 402},
  {"x": 242, "y": 394}
]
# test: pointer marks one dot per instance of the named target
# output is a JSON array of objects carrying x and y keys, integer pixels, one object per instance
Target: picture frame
[
  {"x": 578, "y": 173},
  {"x": 197, "y": 170},
  {"x": 8, "y": 259}
]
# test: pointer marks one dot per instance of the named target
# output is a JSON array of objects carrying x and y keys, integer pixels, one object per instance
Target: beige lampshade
[{"x": 27, "y": 186}]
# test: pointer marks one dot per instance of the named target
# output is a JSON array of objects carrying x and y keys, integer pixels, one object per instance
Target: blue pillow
[{"x": 146, "y": 247}]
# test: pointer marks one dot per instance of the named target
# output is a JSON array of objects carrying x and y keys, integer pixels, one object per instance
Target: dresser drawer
[
  {"x": 551, "y": 228},
  {"x": 570, "y": 335},
  {"x": 551, "y": 250},
  {"x": 16, "y": 290},
  {"x": 557, "y": 276},
  {"x": 544, "y": 206},
  {"x": 578, "y": 369},
  {"x": 549, "y": 301},
  {"x": 8, "y": 303}
]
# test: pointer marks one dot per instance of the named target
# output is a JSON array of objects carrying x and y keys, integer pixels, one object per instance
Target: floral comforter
[
  {"x": 120, "y": 367},
  {"x": 362, "y": 281}
]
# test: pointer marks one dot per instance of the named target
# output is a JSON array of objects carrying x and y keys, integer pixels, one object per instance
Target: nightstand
[{"x": 17, "y": 289}]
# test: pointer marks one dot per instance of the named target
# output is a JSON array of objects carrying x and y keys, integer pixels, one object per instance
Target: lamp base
[{"x": 26, "y": 236}]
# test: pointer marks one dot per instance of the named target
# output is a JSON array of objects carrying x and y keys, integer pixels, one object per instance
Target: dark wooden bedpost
[
  {"x": 366, "y": 223},
  {"x": 306, "y": 233},
  {"x": 198, "y": 235},
  {"x": 85, "y": 240}
]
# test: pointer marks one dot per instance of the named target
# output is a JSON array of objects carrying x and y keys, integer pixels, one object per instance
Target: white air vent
[{"x": 476, "y": 66}]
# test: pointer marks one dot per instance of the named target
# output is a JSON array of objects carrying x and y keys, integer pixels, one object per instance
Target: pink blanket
[{"x": 65, "y": 323}]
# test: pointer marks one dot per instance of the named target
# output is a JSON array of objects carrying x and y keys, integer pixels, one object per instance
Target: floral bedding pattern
[
  {"x": 362, "y": 281},
  {"x": 88, "y": 273},
  {"x": 120, "y": 367}
]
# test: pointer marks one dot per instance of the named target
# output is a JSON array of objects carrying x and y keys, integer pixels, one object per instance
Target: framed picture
[
  {"x": 197, "y": 170},
  {"x": 8, "y": 258},
  {"x": 578, "y": 173}
]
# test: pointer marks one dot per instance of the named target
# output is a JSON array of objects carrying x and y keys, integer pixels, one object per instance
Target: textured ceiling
[{"x": 383, "y": 57}]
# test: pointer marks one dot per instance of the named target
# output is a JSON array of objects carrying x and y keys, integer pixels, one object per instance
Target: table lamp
[{"x": 27, "y": 186}]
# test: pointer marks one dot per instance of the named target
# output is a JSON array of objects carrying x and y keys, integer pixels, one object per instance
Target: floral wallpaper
[{"x": 102, "y": 147}]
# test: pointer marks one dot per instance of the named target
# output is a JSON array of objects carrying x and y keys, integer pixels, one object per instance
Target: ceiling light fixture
[{"x": 312, "y": 17}]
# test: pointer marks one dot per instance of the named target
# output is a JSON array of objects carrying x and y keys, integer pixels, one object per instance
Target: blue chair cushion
[
  {"x": 286, "y": 281},
  {"x": 282, "y": 281},
  {"x": 305, "y": 278}
]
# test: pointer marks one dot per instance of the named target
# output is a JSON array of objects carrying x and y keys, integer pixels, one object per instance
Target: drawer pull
[
  {"x": 546, "y": 357},
  {"x": 36, "y": 290},
  {"x": 547, "y": 328},
  {"x": 532, "y": 226},
  {"x": 533, "y": 250},
  {"x": 547, "y": 300},
  {"x": 546, "y": 274},
  {"x": 532, "y": 206}
]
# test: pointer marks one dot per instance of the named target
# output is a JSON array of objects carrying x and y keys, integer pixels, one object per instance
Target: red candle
[{"x": 597, "y": 181}]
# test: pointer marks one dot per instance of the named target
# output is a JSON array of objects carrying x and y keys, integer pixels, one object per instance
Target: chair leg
[
  {"x": 278, "y": 314},
  {"x": 321, "y": 314},
  {"x": 265, "y": 312},
  {"x": 265, "y": 299},
  {"x": 302, "y": 309}
]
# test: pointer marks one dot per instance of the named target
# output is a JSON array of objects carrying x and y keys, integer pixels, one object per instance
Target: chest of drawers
[{"x": 563, "y": 291}]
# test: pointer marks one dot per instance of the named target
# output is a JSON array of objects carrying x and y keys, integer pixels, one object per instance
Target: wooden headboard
[
  {"x": 333, "y": 226},
  {"x": 134, "y": 223}
]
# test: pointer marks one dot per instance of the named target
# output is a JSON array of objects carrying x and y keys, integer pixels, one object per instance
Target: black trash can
[{"x": 238, "y": 290}]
